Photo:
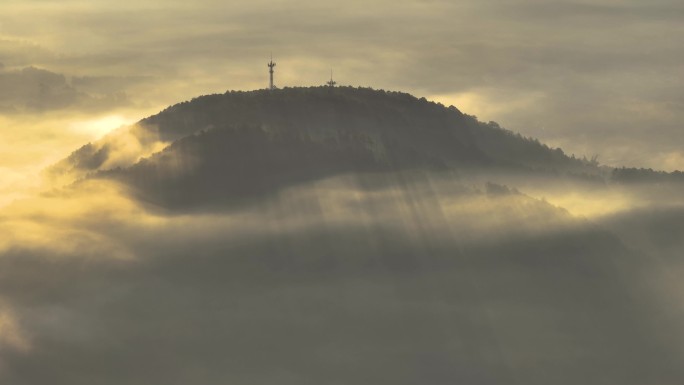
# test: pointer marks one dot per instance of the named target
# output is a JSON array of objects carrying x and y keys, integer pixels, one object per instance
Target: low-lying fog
[{"x": 368, "y": 279}]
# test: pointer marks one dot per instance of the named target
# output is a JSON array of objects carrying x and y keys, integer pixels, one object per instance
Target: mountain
[{"x": 241, "y": 143}]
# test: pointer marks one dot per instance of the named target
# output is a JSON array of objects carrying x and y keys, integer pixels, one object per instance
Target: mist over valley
[{"x": 339, "y": 235}]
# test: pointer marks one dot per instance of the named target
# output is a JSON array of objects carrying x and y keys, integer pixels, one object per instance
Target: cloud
[
  {"x": 30, "y": 143},
  {"x": 33, "y": 90},
  {"x": 363, "y": 278},
  {"x": 47, "y": 115},
  {"x": 17, "y": 53}
]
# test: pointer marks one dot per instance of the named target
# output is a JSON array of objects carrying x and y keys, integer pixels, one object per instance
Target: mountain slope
[{"x": 240, "y": 143}]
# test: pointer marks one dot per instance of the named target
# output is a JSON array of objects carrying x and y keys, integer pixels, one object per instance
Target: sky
[{"x": 598, "y": 77}]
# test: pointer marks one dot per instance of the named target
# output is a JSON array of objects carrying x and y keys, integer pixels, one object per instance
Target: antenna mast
[
  {"x": 271, "y": 64},
  {"x": 331, "y": 83}
]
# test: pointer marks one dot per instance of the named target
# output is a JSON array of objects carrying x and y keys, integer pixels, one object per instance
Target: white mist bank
[{"x": 31, "y": 143}]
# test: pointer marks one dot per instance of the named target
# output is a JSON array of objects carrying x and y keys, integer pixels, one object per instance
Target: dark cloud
[{"x": 36, "y": 90}]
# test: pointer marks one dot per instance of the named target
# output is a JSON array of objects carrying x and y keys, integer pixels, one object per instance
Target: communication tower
[
  {"x": 331, "y": 83},
  {"x": 271, "y": 64}
]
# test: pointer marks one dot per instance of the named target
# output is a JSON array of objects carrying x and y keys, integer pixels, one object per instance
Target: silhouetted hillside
[
  {"x": 245, "y": 142},
  {"x": 402, "y": 125},
  {"x": 645, "y": 175}
]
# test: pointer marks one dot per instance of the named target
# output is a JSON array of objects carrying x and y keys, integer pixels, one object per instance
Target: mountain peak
[{"x": 243, "y": 142}]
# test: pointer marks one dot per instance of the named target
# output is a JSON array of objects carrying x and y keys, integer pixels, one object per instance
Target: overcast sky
[{"x": 593, "y": 77}]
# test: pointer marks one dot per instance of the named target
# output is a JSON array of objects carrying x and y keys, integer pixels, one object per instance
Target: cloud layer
[{"x": 415, "y": 278}]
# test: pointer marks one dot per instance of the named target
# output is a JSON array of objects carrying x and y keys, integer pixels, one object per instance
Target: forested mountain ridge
[
  {"x": 394, "y": 124},
  {"x": 245, "y": 142}
]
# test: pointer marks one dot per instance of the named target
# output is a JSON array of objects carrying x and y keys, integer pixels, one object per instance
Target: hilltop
[{"x": 241, "y": 143}]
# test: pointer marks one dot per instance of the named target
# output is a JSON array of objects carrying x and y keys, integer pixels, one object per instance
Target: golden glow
[
  {"x": 89, "y": 218},
  {"x": 589, "y": 205},
  {"x": 99, "y": 126},
  {"x": 29, "y": 144},
  {"x": 96, "y": 218},
  {"x": 68, "y": 222},
  {"x": 484, "y": 105}
]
